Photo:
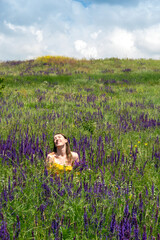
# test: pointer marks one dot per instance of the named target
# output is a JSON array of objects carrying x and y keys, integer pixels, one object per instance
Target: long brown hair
[{"x": 68, "y": 150}]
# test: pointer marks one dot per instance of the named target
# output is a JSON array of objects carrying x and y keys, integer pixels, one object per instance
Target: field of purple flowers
[{"x": 109, "y": 111}]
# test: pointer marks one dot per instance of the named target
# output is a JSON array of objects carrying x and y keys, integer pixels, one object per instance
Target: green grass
[{"x": 120, "y": 106}]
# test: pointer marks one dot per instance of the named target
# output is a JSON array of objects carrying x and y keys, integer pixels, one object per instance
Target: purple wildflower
[
  {"x": 140, "y": 201},
  {"x": 55, "y": 227},
  {"x": 126, "y": 70},
  {"x": 144, "y": 237},
  {"x": 136, "y": 231},
  {"x": 85, "y": 219},
  {"x": 17, "y": 229},
  {"x": 46, "y": 189},
  {"x": 45, "y": 172},
  {"x": 146, "y": 191},
  {"x": 127, "y": 235},
  {"x": 126, "y": 210},
  {"x": 156, "y": 216},
  {"x": 81, "y": 165},
  {"x": 4, "y": 234},
  {"x": 121, "y": 230},
  {"x": 113, "y": 223}
]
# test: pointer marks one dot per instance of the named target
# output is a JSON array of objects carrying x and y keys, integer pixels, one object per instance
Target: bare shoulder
[
  {"x": 52, "y": 153},
  {"x": 50, "y": 156},
  {"x": 75, "y": 156}
]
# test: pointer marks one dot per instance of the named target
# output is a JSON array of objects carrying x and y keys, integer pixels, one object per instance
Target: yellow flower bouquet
[{"x": 56, "y": 168}]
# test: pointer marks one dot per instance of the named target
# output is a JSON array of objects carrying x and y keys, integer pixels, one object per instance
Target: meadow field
[{"x": 109, "y": 109}]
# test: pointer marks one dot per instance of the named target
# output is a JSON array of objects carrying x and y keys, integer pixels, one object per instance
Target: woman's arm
[
  {"x": 48, "y": 161},
  {"x": 75, "y": 157}
]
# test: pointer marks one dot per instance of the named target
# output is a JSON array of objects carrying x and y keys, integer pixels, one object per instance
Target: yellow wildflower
[
  {"x": 130, "y": 196},
  {"x": 77, "y": 173},
  {"x": 68, "y": 168}
]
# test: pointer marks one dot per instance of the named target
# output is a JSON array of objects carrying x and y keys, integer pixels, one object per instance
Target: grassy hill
[{"x": 109, "y": 111}]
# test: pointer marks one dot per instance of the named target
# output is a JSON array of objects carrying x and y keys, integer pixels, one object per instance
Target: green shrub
[{"x": 1, "y": 85}]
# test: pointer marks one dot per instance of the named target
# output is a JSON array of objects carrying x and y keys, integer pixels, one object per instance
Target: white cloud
[
  {"x": 80, "y": 45},
  {"x": 22, "y": 42},
  {"x": 37, "y": 33},
  {"x": 114, "y": 2},
  {"x": 26, "y": 30},
  {"x": 66, "y": 27},
  {"x": 14, "y": 27},
  {"x": 148, "y": 39},
  {"x": 85, "y": 50},
  {"x": 94, "y": 35},
  {"x": 122, "y": 43}
]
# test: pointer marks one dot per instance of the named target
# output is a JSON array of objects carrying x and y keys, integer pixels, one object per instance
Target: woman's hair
[{"x": 68, "y": 150}]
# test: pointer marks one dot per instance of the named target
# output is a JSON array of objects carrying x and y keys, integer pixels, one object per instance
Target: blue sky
[{"x": 79, "y": 28}]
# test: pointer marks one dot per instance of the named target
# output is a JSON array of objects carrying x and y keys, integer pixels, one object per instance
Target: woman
[{"x": 61, "y": 159}]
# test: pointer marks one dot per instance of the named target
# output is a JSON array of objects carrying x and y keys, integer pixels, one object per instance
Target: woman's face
[{"x": 59, "y": 140}]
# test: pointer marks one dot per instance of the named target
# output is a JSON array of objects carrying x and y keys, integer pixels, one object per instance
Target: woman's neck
[{"x": 61, "y": 151}]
